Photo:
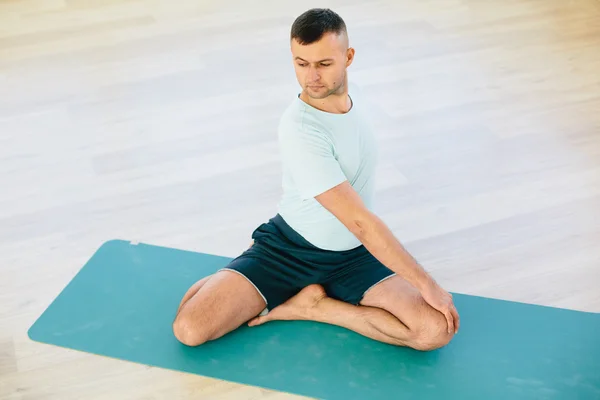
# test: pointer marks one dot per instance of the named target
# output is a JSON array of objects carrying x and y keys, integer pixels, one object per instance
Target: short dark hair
[{"x": 311, "y": 25}]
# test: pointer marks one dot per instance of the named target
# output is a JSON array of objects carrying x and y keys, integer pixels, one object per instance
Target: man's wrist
[{"x": 422, "y": 279}]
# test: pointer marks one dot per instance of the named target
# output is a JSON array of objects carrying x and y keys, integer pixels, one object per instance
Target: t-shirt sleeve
[{"x": 309, "y": 158}]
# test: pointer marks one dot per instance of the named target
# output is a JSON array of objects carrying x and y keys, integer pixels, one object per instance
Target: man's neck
[{"x": 336, "y": 103}]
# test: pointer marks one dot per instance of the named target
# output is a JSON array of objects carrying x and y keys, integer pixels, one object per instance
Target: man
[{"x": 325, "y": 256}]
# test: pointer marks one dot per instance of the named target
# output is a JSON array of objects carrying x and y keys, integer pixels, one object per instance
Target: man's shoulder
[{"x": 297, "y": 122}]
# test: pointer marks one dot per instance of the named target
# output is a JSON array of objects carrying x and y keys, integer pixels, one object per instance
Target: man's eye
[
  {"x": 301, "y": 65},
  {"x": 325, "y": 65}
]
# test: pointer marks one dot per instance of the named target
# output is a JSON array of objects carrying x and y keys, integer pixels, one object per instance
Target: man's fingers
[
  {"x": 257, "y": 321},
  {"x": 450, "y": 318},
  {"x": 456, "y": 318}
]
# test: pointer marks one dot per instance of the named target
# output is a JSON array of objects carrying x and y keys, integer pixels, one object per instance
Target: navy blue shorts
[{"x": 281, "y": 262}]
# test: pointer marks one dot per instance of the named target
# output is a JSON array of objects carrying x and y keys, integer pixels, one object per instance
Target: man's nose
[{"x": 313, "y": 74}]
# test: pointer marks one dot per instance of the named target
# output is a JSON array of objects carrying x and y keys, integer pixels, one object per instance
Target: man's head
[{"x": 321, "y": 52}]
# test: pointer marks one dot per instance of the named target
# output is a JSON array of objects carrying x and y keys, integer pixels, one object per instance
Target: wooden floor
[{"x": 155, "y": 121}]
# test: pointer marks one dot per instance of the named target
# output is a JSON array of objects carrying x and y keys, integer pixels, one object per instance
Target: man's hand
[
  {"x": 441, "y": 300},
  {"x": 345, "y": 203}
]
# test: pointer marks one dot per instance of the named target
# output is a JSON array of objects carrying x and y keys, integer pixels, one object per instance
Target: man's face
[{"x": 321, "y": 66}]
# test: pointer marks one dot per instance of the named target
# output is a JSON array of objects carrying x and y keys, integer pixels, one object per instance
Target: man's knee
[
  {"x": 191, "y": 333},
  {"x": 432, "y": 335}
]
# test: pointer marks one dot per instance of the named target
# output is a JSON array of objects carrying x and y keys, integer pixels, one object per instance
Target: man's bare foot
[{"x": 298, "y": 307}]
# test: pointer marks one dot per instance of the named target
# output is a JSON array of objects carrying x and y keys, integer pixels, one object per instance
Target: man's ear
[{"x": 349, "y": 56}]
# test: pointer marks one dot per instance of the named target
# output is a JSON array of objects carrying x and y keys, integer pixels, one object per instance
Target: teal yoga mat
[{"x": 122, "y": 302}]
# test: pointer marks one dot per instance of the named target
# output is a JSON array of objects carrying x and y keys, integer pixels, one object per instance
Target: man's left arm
[
  {"x": 345, "y": 203},
  {"x": 309, "y": 157}
]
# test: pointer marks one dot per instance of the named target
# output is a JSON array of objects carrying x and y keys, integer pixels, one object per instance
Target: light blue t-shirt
[{"x": 320, "y": 150}]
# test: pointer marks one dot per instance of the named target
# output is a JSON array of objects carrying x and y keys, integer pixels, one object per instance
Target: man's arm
[
  {"x": 309, "y": 156},
  {"x": 343, "y": 202}
]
